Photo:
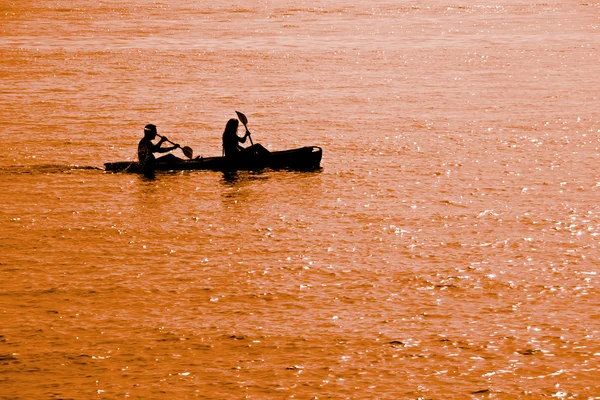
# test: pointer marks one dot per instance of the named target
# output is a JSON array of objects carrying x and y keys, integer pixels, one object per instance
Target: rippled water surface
[{"x": 448, "y": 248}]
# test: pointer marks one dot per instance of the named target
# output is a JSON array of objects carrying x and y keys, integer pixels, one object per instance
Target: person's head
[
  {"x": 150, "y": 131},
  {"x": 232, "y": 126}
]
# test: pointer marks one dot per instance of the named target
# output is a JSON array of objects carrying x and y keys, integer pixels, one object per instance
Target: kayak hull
[{"x": 301, "y": 159}]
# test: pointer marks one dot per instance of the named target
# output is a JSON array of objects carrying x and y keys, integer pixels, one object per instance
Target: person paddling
[
  {"x": 231, "y": 143},
  {"x": 146, "y": 148}
]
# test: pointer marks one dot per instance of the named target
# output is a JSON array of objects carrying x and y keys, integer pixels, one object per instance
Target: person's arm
[
  {"x": 243, "y": 139},
  {"x": 157, "y": 149},
  {"x": 167, "y": 149}
]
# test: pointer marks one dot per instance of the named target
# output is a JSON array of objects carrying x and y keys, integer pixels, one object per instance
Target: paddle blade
[
  {"x": 188, "y": 152},
  {"x": 242, "y": 118}
]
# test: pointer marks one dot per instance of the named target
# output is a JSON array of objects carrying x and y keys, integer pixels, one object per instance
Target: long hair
[
  {"x": 231, "y": 127},
  {"x": 230, "y": 137}
]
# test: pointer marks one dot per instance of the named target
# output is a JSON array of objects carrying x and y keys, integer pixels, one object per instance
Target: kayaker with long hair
[
  {"x": 146, "y": 148},
  {"x": 231, "y": 143}
]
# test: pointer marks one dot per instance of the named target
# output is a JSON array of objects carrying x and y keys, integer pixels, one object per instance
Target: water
[{"x": 448, "y": 247}]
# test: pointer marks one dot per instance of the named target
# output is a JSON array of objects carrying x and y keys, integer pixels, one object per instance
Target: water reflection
[
  {"x": 239, "y": 185},
  {"x": 148, "y": 175},
  {"x": 235, "y": 178},
  {"x": 230, "y": 178},
  {"x": 146, "y": 185}
]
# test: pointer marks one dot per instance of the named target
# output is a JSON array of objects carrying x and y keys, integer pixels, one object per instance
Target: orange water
[{"x": 448, "y": 248}]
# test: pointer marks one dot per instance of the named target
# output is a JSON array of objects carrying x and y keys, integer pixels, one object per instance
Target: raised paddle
[
  {"x": 244, "y": 120},
  {"x": 187, "y": 150}
]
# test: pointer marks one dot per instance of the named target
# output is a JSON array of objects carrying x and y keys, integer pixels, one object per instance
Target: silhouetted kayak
[{"x": 301, "y": 159}]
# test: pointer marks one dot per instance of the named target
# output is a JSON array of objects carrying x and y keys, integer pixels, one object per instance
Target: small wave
[{"x": 46, "y": 169}]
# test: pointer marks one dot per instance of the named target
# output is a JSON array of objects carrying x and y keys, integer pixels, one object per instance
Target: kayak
[{"x": 301, "y": 159}]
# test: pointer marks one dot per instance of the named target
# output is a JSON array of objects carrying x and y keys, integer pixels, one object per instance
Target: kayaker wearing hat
[{"x": 146, "y": 148}]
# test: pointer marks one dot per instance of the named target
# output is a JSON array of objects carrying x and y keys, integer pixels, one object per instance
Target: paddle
[
  {"x": 187, "y": 150},
  {"x": 244, "y": 120}
]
